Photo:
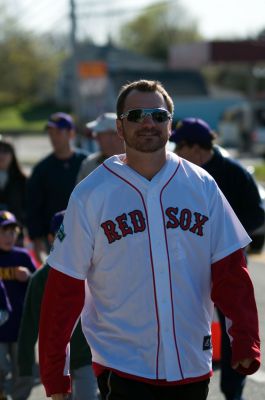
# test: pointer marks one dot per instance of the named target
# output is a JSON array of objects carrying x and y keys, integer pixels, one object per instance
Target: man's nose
[{"x": 148, "y": 120}]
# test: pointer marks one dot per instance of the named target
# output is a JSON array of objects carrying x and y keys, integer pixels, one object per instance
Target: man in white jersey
[{"x": 148, "y": 245}]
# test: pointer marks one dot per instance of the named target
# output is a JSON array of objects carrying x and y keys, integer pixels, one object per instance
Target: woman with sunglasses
[{"x": 147, "y": 245}]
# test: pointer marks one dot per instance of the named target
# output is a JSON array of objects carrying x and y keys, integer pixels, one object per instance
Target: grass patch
[
  {"x": 260, "y": 172},
  {"x": 25, "y": 117}
]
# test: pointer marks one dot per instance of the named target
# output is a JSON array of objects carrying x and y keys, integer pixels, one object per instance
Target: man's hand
[
  {"x": 244, "y": 363},
  {"x": 22, "y": 274}
]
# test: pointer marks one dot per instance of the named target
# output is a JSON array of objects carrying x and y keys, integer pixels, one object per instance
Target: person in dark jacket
[
  {"x": 52, "y": 180},
  {"x": 12, "y": 182},
  {"x": 83, "y": 379},
  {"x": 194, "y": 141}
]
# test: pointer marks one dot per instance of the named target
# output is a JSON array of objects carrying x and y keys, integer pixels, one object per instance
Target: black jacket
[
  {"x": 239, "y": 188},
  {"x": 49, "y": 189}
]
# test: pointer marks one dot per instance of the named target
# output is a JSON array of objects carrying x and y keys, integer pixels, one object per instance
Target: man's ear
[
  {"x": 119, "y": 126},
  {"x": 196, "y": 147}
]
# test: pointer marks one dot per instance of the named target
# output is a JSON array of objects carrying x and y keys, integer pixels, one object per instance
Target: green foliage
[
  {"x": 260, "y": 172},
  {"x": 27, "y": 69},
  {"x": 157, "y": 28},
  {"x": 29, "y": 63},
  {"x": 26, "y": 117}
]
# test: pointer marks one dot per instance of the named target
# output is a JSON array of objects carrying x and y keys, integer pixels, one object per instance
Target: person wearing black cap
[
  {"x": 194, "y": 141},
  {"x": 52, "y": 180}
]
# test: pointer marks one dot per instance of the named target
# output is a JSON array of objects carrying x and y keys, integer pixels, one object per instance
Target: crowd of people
[{"x": 142, "y": 243}]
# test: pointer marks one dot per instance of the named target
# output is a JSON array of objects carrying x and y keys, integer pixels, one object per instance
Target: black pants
[
  {"x": 232, "y": 382},
  {"x": 115, "y": 387}
]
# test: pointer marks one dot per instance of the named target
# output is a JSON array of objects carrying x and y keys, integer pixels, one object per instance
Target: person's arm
[
  {"x": 28, "y": 330},
  {"x": 233, "y": 294},
  {"x": 61, "y": 307}
]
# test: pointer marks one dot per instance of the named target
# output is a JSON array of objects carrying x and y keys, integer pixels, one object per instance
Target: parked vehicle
[{"x": 243, "y": 126}]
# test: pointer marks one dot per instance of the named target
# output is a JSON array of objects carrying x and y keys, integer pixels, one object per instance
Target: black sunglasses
[{"x": 138, "y": 115}]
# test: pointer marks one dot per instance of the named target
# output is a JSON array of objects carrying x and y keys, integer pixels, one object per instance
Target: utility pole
[{"x": 74, "y": 62}]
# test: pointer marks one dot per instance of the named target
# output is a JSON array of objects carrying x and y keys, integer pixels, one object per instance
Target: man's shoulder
[
  {"x": 21, "y": 254},
  {"x": 93, "y": 183},
  {"x": 44, "y": 163},
  {"x": 93, "y": 158},
  {"x": 40, "y": 274},
  {"x": 195, "y": 171},
  {"x": 235, "y": 168},
  {"x": 80, "y": 154}
]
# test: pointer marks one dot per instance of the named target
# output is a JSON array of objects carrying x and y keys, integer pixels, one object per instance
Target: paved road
[{"x": 30, "y": 149}]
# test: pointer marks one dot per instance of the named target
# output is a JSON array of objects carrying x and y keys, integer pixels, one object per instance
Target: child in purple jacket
[{"x": 16, "y": 266}]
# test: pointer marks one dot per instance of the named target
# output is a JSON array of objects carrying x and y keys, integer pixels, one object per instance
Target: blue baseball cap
[
  {"x": 60, "y": 120},
  {"x": 7, "y": 218},
  {"x": 56, "y": 222},
  {"x": 193, "y": 130}
]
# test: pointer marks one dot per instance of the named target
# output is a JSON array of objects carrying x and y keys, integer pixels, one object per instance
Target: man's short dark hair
[{"x": 142, "y": 86}]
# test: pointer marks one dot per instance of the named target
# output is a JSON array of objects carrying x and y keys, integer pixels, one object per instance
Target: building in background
[{"x": 102, "y": 70}]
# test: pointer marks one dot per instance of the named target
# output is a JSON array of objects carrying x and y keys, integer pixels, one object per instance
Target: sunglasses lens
[
  {"x": 135, "y": 115},
  {"x": 139, "y": 114},
  {"x": 160, "y": 116}
]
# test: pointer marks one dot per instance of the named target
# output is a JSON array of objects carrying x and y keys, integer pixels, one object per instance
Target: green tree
[
  {"x": 158, "y": 27},
  {"x": 29, "y": 63}
]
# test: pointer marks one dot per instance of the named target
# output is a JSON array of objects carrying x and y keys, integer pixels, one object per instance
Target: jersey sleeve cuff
[
  {"x": 239, "y": 353},
  {"x": 58, "y": 385}
]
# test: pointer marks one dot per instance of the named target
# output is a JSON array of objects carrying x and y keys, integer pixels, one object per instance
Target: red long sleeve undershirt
[
  {"x": 233, "y": 294},
  {"x": 61, "y": 307}
]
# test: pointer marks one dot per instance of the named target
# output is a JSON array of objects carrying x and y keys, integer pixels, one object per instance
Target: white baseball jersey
[{"x": 146, "y": 249}]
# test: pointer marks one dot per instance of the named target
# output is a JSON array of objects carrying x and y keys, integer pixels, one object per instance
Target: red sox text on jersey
[{"x": 134, "y": 222}]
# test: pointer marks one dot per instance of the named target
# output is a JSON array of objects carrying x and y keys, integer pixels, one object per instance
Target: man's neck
[
  {"x": 206, "y": 156},
  {"x": 146, "y": 164},
  {"x": 64, "y": 154}
]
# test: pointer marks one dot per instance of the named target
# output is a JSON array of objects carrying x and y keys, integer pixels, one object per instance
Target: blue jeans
[
  {"x": 84, "y": 384},
  {"x": 10, "y": 382}
]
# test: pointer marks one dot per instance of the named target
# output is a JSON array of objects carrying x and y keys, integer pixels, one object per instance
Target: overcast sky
[{"x": 216, "y": 18}]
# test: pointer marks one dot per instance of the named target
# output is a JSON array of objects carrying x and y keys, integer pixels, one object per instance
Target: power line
[
  {"x": 37, "y": 21},
  {"x": 40, "y": 9},
  {"x": 121, "y": 11}
]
